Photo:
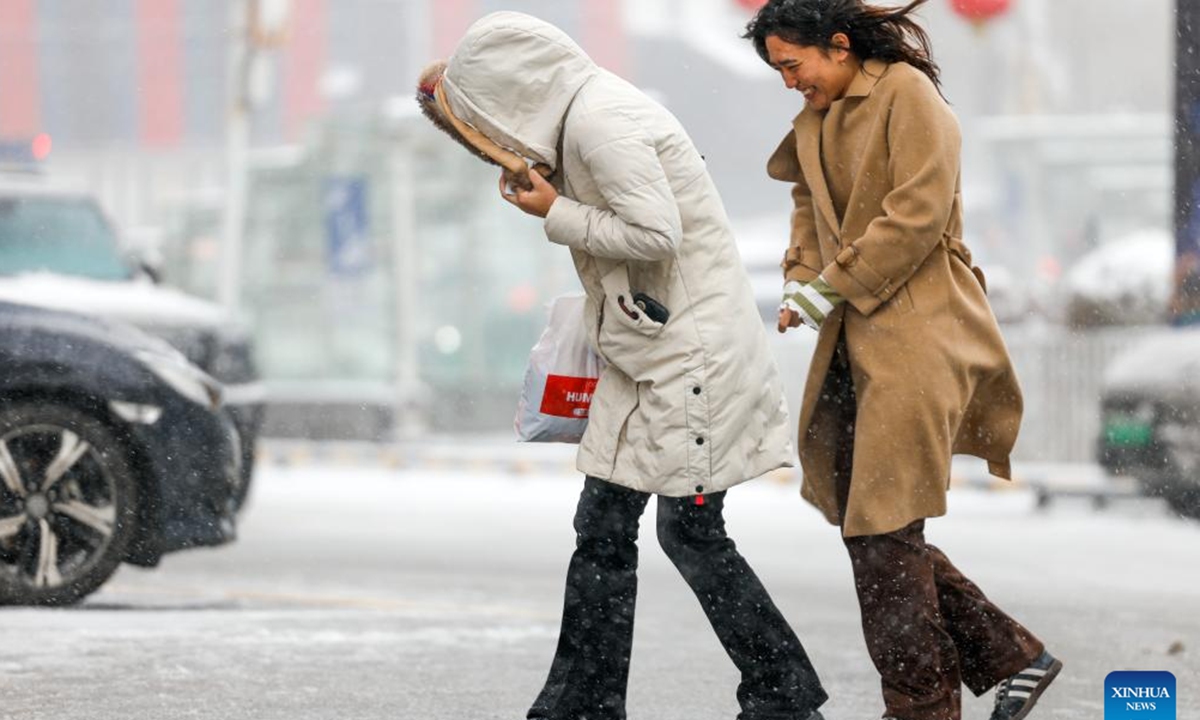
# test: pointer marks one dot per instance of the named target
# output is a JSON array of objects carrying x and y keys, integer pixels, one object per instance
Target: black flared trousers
[{"x": 590, "y": 672}]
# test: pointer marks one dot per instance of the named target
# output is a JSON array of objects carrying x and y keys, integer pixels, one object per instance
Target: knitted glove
[{"x": 812, "y": 301}]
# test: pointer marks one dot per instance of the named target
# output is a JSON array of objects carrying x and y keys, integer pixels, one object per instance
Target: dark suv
[
  {"x": 57, "y": 250},
  {"x": 113, "y": 448}
]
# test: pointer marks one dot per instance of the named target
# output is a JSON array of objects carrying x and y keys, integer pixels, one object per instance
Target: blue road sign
[{"x": 348, "y": 240}]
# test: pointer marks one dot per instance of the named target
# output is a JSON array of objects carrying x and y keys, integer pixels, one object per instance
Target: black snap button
[
  {"x": 696, "y": 390},
  {"x": 699, "y": 488},
  {"x": 699, "y": 441}
]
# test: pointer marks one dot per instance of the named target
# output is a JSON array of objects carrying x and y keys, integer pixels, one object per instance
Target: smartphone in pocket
[{"x": 654, "y": 310}]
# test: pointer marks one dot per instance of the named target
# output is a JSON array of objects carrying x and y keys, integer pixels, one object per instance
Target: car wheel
[{"x": 67, "y": 504}]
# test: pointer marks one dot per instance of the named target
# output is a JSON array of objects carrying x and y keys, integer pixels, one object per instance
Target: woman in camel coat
[
  {"x": 925, "y": 352},
  {"x": 910, "y": 366}
]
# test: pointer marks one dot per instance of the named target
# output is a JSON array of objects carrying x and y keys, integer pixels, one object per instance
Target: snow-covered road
[{"x": 368, "y": 593}]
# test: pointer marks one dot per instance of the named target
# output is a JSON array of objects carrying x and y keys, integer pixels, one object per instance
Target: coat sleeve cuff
[
  {"x": 795, "y": 269},
  {"x": 854, "y": 279},
  {"x": 567, "y": 223},
  {"x": 800, "y": 274}
]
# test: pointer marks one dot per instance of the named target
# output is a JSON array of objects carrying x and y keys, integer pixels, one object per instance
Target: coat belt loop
[
  {"x": 957, "y": 247},
  {"x": 847, "y": 257}
]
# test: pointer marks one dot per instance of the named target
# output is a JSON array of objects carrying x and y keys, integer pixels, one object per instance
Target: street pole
[
  {"x": 408, "y": 419},
  {"x": 1186, "y": 304},
  {"x": 237, "y": 140}
]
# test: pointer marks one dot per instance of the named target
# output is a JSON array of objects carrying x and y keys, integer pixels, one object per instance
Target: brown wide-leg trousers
[{"x": 928, "y": 628}]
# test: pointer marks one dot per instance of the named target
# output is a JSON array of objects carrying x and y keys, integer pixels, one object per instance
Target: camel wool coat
[
  {"x": 691, "y": 406},
  {"x": 878, "y": 212}
]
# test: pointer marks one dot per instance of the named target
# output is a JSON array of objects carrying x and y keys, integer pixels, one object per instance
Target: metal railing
[{"x": 1061, "y": 372}]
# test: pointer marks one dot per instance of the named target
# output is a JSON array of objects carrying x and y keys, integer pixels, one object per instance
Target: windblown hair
[{"x": 884, "y": 33}]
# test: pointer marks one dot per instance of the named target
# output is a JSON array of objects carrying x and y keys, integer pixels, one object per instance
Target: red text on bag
[{"x": 568, "y": 397}]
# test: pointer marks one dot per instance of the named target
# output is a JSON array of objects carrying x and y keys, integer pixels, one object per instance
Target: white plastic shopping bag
[{"x": 562, "y": 374}]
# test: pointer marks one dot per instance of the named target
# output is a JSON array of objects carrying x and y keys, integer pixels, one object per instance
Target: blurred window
[{"x": 59, "y": 235}]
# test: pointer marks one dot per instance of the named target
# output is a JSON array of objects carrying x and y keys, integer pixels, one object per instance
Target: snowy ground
[{"x": 367, "y": 593}]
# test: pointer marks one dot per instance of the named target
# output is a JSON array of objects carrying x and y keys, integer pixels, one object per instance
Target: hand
[
  {"x": 536, "y": 201},
  {"x": 788, "y": 319},
  {"x": 809, "y": 303}
]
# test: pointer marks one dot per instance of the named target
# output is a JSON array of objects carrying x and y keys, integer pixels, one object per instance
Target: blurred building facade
[
  {"x": 150, "y": 76},
  {"x": 381, "y": 275}
]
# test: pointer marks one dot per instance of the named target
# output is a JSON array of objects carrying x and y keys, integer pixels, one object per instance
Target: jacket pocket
[
  {"x": 901, "y": 301},
  {"x": 620, "y": 308},
  {"x": 626, "y": 334}
]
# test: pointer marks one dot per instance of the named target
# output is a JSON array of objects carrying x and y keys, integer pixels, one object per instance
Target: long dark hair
[{"x": 886, "y": 33}]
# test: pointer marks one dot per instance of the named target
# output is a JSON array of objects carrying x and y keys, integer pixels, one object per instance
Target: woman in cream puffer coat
[{"x": 686, "y": 408}]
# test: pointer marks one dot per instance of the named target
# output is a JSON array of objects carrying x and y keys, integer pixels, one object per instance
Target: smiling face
[{"x": 821, "y": 76}]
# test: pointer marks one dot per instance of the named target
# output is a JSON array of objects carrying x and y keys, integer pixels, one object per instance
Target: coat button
[
  {"x": 699, "y": 441},
  {"x": 696, "y": 390}
]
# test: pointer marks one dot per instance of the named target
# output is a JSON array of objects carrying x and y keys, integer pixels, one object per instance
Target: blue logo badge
[{"x": 1130, "y": 695}]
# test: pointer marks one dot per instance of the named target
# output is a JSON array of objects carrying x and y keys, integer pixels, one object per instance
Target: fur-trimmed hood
[{"x": 513, "y": 77}]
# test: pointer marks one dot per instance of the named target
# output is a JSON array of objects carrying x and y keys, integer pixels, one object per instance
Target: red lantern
[
  {"x": 980, "y": 11},
  {"x": 752, "y": 5}
]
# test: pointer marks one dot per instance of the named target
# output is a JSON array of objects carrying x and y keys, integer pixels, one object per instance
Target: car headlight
[
  {"x": 183, "y": 377},
  {"x": 195, "y": 345},
  {"x": 231, "y": 361}
]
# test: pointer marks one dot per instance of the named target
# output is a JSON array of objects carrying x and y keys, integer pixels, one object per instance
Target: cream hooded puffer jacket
[{"x": 688, "y": 407}]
